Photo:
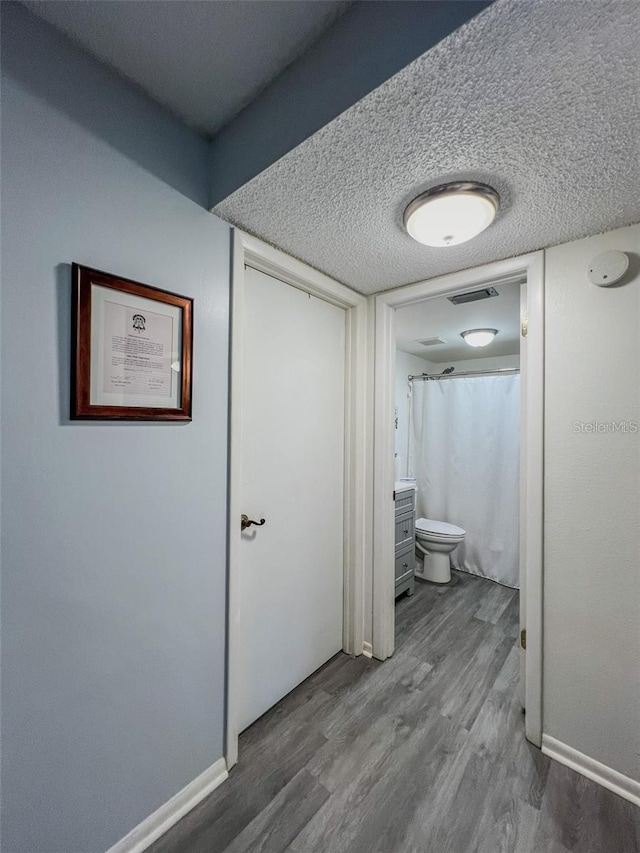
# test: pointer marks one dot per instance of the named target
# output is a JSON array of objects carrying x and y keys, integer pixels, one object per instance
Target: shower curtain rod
[{"x": 497, "y": 372}]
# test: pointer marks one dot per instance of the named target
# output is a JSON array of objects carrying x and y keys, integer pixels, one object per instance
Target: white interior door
[{"x": 292, "y": 427}]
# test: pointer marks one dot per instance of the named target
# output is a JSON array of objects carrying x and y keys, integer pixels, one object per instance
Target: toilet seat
[{"x": 439, "y": 528}]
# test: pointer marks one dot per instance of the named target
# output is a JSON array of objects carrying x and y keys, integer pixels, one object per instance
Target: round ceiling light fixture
[
  {"x": 451, "y": 213},
  {"x": 478, "y": 337}
]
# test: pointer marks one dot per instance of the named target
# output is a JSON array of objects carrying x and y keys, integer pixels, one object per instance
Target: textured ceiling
[
  {"x": 202, "y": 60},
  {"x": 439, "y": 318},
  {"x": 539, "y": 99}
]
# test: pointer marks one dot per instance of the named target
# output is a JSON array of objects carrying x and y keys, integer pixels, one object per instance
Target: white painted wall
[
  {"x": 592, "y": 506},
  {"x": 406, "y": 364},
  {"x": 489, "y": 363}
]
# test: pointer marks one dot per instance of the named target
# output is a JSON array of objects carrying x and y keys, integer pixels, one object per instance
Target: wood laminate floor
[{"x": 424, "y": 753}]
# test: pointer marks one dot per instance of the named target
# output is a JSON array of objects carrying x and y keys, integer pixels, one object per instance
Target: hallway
[{"x": 422, "y": 754}]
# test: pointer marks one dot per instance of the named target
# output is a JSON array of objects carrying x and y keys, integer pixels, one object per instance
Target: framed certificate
[{"x": 131, "y": 350}]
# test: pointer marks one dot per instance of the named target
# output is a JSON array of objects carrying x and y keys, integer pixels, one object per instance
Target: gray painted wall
[
  {"x": 103, "y": 103},
  {"x": 113, "y": 546},
  {"x": 369, "y": 43}
]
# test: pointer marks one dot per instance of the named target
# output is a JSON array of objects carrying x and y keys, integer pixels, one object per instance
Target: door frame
[
  {"x": 529, "y": 270},
  {"x": 249, "y": 251}
]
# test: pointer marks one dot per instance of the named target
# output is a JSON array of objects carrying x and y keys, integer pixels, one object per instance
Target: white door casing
[
  {"x": 357, "y": 496},
  {"x": 529, "y": 271},
  {"x": 524, "y": 323}
]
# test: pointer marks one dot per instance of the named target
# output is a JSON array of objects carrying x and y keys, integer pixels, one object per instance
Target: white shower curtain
[{"x": 465, "y": 456}]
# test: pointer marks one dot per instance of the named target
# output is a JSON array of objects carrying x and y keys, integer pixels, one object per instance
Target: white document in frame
[
  {"x": 138, "y": 347},
  {"x": 137, "y": 359}
]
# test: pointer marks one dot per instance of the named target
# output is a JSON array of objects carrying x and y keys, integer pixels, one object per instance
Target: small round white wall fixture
[
  {"x": 608, "y": 268},
  {"x": 451, "y": 214},
  {"x": 478, "y": 337}
]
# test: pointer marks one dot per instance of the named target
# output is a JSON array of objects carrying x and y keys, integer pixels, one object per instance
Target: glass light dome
[
  {"x": 451, "y": 213},
  {"x": 478, "y": 337}
]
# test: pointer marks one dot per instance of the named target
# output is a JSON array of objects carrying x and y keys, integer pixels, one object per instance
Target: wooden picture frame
[{"x": 131, "y": 350}]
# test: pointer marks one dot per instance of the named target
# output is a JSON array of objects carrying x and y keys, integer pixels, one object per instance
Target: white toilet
[{"x": 435, "y": 540}]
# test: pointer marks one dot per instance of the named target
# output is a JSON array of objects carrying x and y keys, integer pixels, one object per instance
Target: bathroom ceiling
[
  {"x": 202, "y": 60},
  {"x": 540, "y": 99},
  {"x": 435, "y": 318}
]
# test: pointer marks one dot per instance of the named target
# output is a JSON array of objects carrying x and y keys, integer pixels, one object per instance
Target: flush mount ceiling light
[
  {"x": 479, "y": 337},
  {"x": 451, "y": 213}
]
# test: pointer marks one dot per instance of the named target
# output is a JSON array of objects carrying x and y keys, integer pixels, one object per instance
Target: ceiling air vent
[
  {"x": 431, "y": 342},
  {"x": 473, "y": 296}
]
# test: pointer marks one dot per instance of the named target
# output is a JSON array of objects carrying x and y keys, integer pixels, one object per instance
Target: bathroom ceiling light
[
  {"x": 479, "y": 337},
  {"x": 451, "y": 213}
]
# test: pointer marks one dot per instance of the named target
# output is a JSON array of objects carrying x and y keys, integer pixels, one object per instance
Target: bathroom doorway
[
  {"x": 457, "y": 415},
  {"x": 456, "y": 437}
]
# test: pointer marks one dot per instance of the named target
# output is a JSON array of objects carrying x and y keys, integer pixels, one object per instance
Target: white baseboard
[
  {"x": 367, "y": 649},
  {"x": 592, "y": 769},
  {"x": 152, "y": 827}
]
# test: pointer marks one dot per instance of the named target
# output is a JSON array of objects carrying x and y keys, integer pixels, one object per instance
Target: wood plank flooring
[{"x": 424, "y": 753}]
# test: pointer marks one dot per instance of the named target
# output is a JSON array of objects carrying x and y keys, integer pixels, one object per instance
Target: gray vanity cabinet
[{"x": 405, "y": 522}]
